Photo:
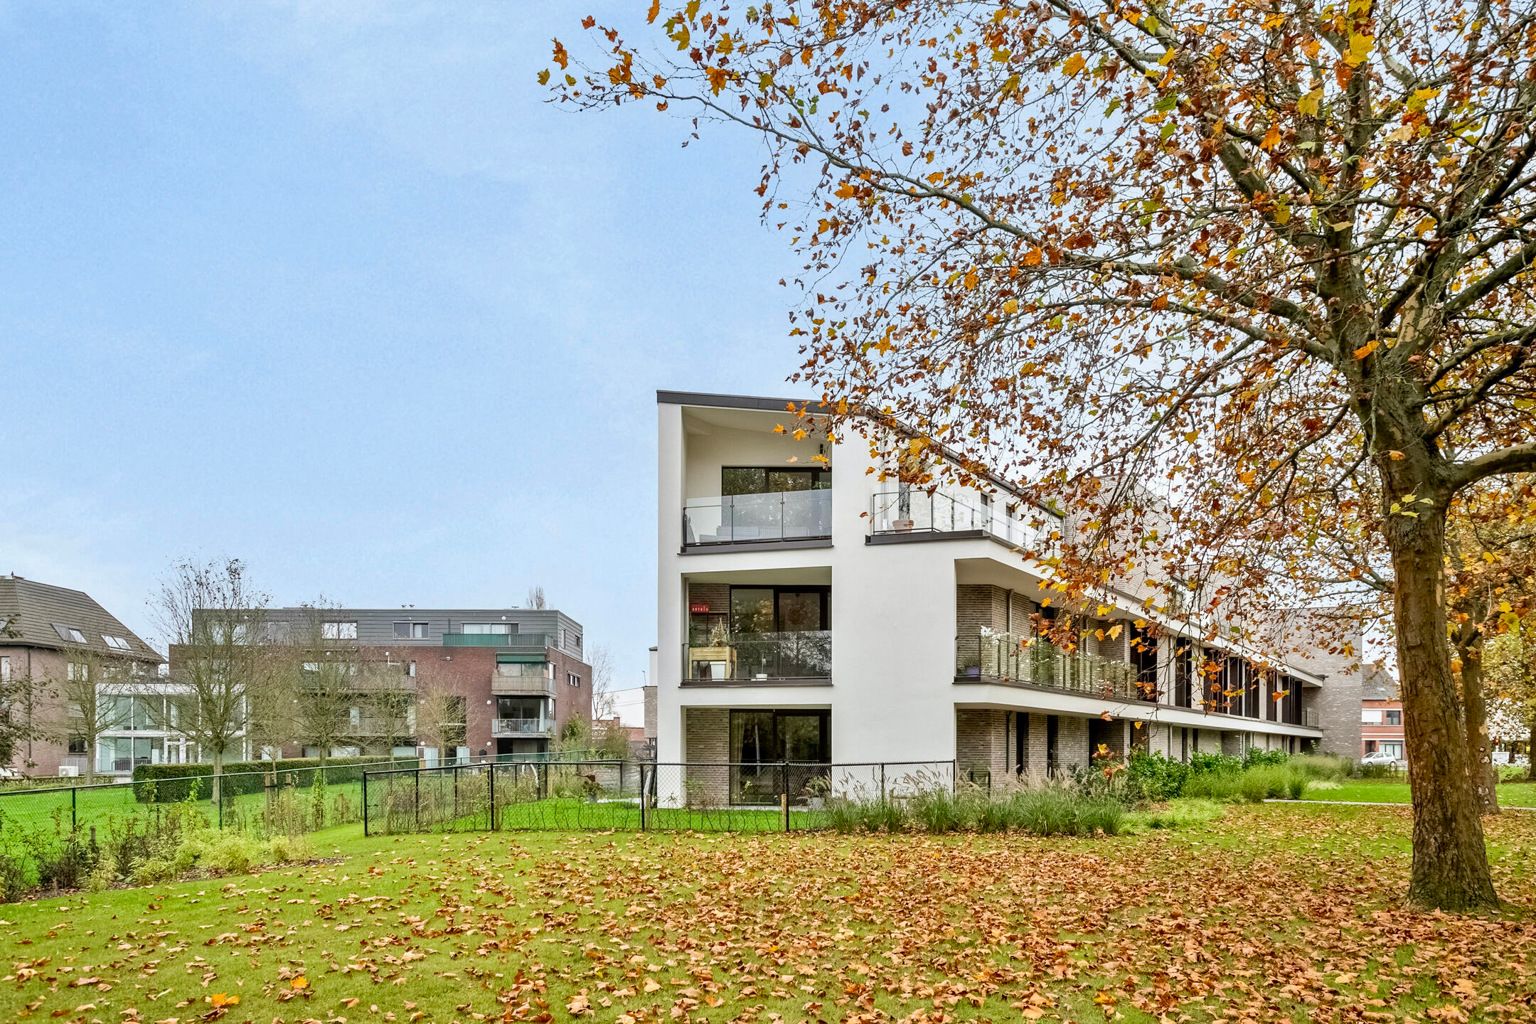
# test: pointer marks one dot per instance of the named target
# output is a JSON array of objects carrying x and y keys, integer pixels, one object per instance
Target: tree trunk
[
  {"x": 90, "y": 759},
  {"x": 1474, "y": 704},
  {"x": 1530, "y": 752},
  {"x": 1450, "y": 862},
  {"x": 217, "y": 785}
]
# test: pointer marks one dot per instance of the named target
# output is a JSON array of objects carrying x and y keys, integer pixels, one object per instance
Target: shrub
[
  {"x": 218, "y": 852},
  {"x": 168, "y": 783},
  {"x": 1323, "y": 766},
  {"x": 1156, "y": 777},
  {"x": 1376, "y": 771},
  {"x": 1202, "y": 763},
  {"x": 1254, "y": 757}
]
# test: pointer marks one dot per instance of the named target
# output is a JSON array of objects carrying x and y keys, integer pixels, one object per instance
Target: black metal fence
[{"x": 645, "y": 796}]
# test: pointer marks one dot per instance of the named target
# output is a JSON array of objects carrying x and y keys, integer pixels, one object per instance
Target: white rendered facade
[{"x": 919, "y": 594}]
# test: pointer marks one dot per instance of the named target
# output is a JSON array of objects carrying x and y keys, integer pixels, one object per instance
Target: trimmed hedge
[{"x": 169, "y": 783}]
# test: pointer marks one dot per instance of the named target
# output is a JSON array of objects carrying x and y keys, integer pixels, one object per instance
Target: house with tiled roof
[{"x": 51, "y": 639}]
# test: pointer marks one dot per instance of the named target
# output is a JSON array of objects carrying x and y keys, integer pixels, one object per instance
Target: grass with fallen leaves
[{"x": 1278, "y": 912}]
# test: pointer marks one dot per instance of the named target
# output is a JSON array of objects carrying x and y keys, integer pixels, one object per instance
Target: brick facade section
[
  {"x": 979, "y": 606},
  {"x": 981, "y": 743},
  {"x": 706, "y": 742}
]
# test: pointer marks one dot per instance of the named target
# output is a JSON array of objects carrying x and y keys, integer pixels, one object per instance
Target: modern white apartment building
[{"x": 812, "y": 609}]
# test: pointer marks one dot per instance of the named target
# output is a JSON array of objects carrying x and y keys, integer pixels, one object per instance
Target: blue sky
[{"x": 331, "y": 289}]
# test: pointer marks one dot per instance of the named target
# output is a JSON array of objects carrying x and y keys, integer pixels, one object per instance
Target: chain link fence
[{"x": 771, "y": 796}]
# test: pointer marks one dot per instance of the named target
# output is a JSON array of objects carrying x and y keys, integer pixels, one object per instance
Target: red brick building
[
  {"x": 505, "y": 680},
  {"x": 1381, "y": 714}
]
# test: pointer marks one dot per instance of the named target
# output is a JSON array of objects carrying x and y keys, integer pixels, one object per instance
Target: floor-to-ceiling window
[{"x": 762, "y": 740}]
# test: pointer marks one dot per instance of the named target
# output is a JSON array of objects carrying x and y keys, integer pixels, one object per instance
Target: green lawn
[
  {"x": 1276, "y": 912},
  {"x": 97, "y": 805},
  {"x": 1511, "y": 794}
]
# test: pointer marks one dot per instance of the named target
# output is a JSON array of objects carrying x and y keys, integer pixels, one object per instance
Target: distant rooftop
[
  {"x": 34, "y": 614},
  {"x": 1377, "y": 683}
]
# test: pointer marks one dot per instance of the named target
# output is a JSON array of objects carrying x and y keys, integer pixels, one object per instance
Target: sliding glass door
[{"x": 762, "y": 740}]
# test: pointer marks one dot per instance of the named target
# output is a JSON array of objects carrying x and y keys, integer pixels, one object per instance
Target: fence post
[
  {"x": 74, "y": 822},
  {"x": 642, "y": 796},
  {"x": 418, "y": 798},
  {"x": 365, "y": 803},
  {"x": 954, "y": 776},
  {"x": 882, "y": 782},
  {"x": 784, "y": 794},
  {"x": 492, "y": 770}
]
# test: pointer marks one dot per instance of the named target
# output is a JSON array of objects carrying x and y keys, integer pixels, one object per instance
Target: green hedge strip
[{"x": 169, "y": 783}]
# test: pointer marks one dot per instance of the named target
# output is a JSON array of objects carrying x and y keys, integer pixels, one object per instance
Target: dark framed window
[
  {"x": 77, "y": 744},
  {"x": 780, "y": 609},
  {"x": 772, "y": 479},
  {"x": 1394, "y": 717},
  {"x": 762, "y": 740},
  {"x": 1020, "y": 742}
]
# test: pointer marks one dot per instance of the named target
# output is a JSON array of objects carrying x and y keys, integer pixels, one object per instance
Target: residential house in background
[
  {"x": 812, "y": 608},
  {"x": 1381, "y": 714},
  {"x": 53, "y": 639},
  {"x": 510, "y": 678}
]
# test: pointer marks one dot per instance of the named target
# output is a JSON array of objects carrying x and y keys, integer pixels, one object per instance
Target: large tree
[{"x": 1232, "y": 251}]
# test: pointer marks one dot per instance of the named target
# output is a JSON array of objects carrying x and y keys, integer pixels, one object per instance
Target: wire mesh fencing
[
  {"x": 50, "y": 836},
  {"x": 771, "y": 796}
]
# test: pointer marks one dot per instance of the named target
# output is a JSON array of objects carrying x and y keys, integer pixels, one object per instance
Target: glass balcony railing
[
  {"x": 531, "y": 641},
  {"x": 502, "y": 727},
  {"x": 761, "y": 657},
  {"x": 914, "y": 510},
  {"x": 747, "y": 518},
  {"x": 1007, "y": 658}
]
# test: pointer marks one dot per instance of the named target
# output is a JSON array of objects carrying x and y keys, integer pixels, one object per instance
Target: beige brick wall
[
  {"x": 978, "y": 605},
  {"x": 981, "y": 742},
  {"x": 706, "y": 738},
  {"x": 1034, "y": 749},
  {"x": 1072, "y": 743}
]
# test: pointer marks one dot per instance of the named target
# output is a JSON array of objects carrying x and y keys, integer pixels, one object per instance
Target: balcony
[
  {"x": 502, "y": 728},
  {"x": 523, "y": 641},
  {"x": 915, "y": 511},
  {"x": 530, "y": 679},
  {"x": 799, "y": 657},
  {"x": 1002, "y": 657},
  {"x": 758, "y": 518}
]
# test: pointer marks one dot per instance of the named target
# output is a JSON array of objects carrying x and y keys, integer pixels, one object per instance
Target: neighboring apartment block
[
  {"x": 1381, "y": 714},
  {"x": 511, "y": 679},
  {"x": 812, "y": 608},
  {"x": 54, "y": 640}
]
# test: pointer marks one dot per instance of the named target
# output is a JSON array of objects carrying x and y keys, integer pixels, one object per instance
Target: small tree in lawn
[
  {"x": 214, "y": 619},
  {"x": 1181, "y": 269},
  {"x": 443, "y": 718},
  {"x": 97, "y": 696}
]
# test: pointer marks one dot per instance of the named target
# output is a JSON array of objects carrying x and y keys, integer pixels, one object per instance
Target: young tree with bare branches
[
  {"x": 214, "y": 619},
  {"x": 1237, "y": 252}
]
